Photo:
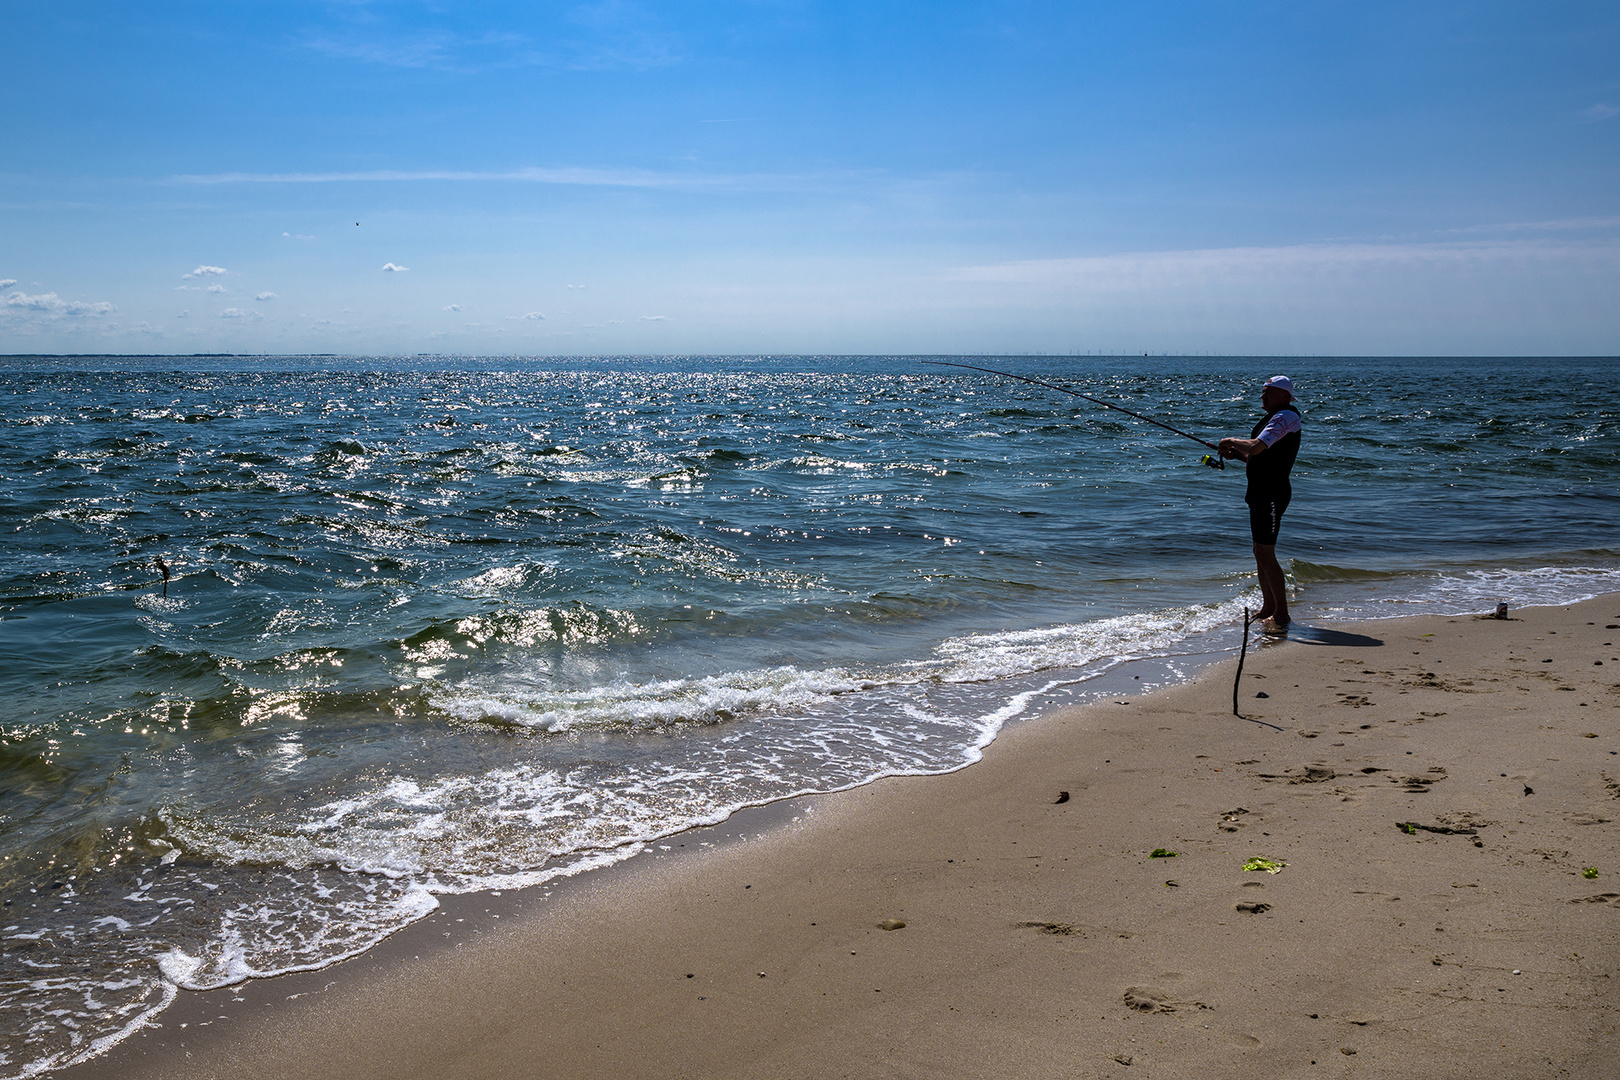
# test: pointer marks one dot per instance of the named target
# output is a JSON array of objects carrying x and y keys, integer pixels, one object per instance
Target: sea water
[{"x": 440, "y": 624}]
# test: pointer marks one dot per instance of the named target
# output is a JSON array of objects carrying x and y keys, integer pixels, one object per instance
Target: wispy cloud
[
  {"x": 206, "y": 271},
  {"x": 452, "y": 307},
  {"x": 606, "y": 34},
  {"x": 240, "y": 313},
  {"x": 423, "y": 49},
  {"x": 1593, "y": 224},
  {"x": 267, "y": 296},
  {"x": 49, "y": 305},
  {"x": 653, "y": 318},
  {"x": 583, "y": 177},
  {"x": 392, "y": 269},
  {"x": 1601, "y": 111},
  {"x": 6, "y": 283},
  {"x": 534, "y": 315},
  {"x": 1131, "y": 269},
  {"x": 217, "y": 289},
  {"x": 297, "y": 236}
]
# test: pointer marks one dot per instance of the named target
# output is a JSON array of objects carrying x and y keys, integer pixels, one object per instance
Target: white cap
[{"x": 1282, "y": 382}]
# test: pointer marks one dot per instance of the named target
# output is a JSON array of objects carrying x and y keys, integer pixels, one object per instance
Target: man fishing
[{"x": 1269, "y": 453}]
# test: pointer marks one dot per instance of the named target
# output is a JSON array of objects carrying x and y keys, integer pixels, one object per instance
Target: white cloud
[
  {"x": 1601, "y": 111},
  {"x": 297, "y": 236},
  {"x": 267, "y": 296},
  {"x": 239, "y": 313},
  {"x": 1553, "y": 225},
  {"x": 1534, "y": 295},
  {"x": 605, "y": 35},
  {"x": 392, "y": 269},
  {"x": 206, "y": 271},
  {"x": 1163, "y": 268},
  {"x": 587, "y": 177},
  {"x": 427, "y": 48},
  {"x": 530, "y": 315},
  {"x": 452, "y": 307},
  {"x": 6, "y": 283},
  {"x": 184, "y": 315},
  {"x": 216, "y": 288},
  {"x": 652, "y": 318},
  {"x": 576, "y": 286},
  {"x": 51, "y": 305}
]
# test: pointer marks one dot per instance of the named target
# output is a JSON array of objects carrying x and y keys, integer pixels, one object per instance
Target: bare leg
[{"x": 1273, "y": 586}]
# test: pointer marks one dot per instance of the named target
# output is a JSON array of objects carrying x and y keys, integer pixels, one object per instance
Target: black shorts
[{"x": 1265, "y": 515}]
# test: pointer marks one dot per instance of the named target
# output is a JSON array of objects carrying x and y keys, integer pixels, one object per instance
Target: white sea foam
[
  {"x": 978, "y": 657},
  {"x": 1472, "y": 591}
]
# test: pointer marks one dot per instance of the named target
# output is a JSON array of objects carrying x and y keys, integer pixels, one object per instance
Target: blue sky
[{"x": 775, "y": 176}]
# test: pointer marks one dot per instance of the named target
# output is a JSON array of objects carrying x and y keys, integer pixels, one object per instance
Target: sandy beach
[{"x": 1432, "y": 795}]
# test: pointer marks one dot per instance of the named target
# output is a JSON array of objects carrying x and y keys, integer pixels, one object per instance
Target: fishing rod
[{"x": 1213, "y": 461}]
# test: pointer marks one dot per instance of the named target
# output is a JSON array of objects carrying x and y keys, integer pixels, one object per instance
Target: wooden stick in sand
[{"x": 1243, "y": 652}]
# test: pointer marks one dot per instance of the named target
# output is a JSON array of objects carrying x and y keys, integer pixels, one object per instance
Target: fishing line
[{"x": 1213, "y": 462}]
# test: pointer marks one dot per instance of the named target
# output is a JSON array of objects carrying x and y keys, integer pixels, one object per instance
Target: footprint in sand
[
  {"x": 1310, "y": 774},
  {"x": 1417, "y": 785},
  {"x": 1151, "y": 999}
]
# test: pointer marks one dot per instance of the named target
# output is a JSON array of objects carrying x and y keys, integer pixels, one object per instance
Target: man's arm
[
  {"x": 1281, "y": 423},
  {"x": 1241, "y": 448}
]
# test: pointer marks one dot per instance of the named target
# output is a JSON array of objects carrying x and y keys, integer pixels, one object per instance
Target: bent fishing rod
[{"x": 1213, "y": 461}]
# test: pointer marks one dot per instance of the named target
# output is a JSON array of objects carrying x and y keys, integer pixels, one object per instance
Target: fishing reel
[{"x": 1213, "y": 462}]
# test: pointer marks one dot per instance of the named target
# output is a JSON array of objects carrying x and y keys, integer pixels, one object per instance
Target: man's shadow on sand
[{"x": 1321, "y": 635}]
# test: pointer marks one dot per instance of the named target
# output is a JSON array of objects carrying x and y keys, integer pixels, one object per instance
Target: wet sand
[{"x": 1437, "y": 791}]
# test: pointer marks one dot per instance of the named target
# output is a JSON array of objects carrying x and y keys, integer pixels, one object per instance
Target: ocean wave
[
  {"x": 1308, "y": 573},
  {"x": 980, "y": 657},
  {"x": 717, "y": 699},
  {"x": 654, "y": 705},
  {"x": 1479, "y": 589}
]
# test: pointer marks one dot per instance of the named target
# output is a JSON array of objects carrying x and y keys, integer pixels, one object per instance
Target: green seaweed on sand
[
  {"x": 1162, "y": 853},
  {"x": 1270, "y": 866}
]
